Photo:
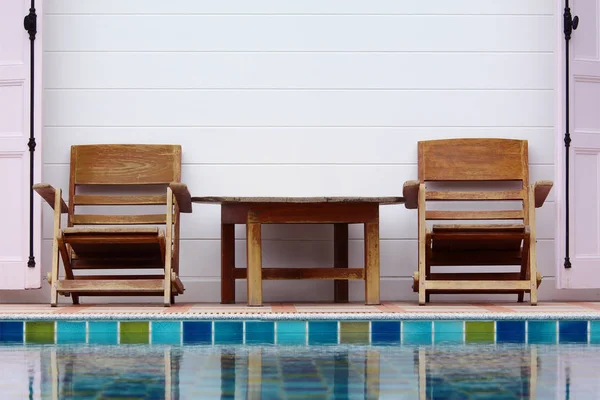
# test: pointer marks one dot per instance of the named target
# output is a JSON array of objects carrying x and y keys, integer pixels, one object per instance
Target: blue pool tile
[
  {"x": 166, "y": 332},
  {"x": 11, "y": 331},
  {"x": 103, "y": 332},
  {"x": 195, "y": 332},
  {"x": 595, "y": 332},
  {"x": 70, "y": 331},
  {"x": 510, "y": 331},
  {"x": 291, "y": 332},
  {"x": 229, "y": 332},
  {"x": 416, "y": 332},
  {"x": 541, "y": 332},
  {"x": 573, "y": 331},
  {"x": 322, "y": 332},
  {"x": 385, "y": 332},
  {"x": 448, "y": 331},
  {"x": 260, "y": 332}
]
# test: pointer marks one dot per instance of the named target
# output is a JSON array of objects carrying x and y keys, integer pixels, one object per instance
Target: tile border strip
[{"x": 331, "y": 332}]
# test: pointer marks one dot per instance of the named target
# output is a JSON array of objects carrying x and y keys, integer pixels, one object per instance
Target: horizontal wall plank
[
  {"x": 299, "y": 71},
  {"x": 299, "y": 33},
  {"x": 298, "y": 108},
  {"x": 290, "y": 145},
  {"x": 302, "y": 7}
]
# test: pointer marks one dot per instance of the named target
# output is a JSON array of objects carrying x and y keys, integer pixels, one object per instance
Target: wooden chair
[
  {"x": 456, "y": 178},
  {"x": 114, "y": 180}
]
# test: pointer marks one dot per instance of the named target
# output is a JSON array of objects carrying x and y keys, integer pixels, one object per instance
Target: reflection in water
[{"x": 458, "y": 371}]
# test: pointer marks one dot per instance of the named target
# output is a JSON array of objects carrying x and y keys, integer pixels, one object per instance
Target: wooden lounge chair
[
  {"x": 113, "y": 224},
  {"x": 461, "y": 180}
]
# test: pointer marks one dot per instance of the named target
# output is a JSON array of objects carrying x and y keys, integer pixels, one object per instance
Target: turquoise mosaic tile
[
  {"x": 229, "y": 332},
  {"x": 541, "y": 332},
  {"x": 197, "y": 332},
  {"x": 291, "y": 332},
  {"x": 417, "y": 332},
  {"x": 166, "y": 332},
  {"x": 260, "y": 332},
  {"x": 11, "y": 331},
  {"x": 510, "y": 331},
  {"x": 448, "y": 331},
  {"x": 103, "y": 332},
  {"x": 71, "y": 331},
  {"x": 573, "y": 331},
  {"x": 322, "y": 332},
  {"x": 385, "y": 332},
  {"x": 595, "y": 332}
]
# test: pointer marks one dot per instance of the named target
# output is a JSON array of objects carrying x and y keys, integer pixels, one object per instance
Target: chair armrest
[
  {"x": 410, "y": 191},
  {"x": 540, "y": 192},
  {"x": 47, "y": 192},
  {"x": 182, "y": 195}
]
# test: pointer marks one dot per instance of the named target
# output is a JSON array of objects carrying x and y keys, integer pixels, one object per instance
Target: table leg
[
  {"x": 372, "y": 263},
  {"x": 227, "y": 263},
  {"x": 340, "y": 260},
  {"x": 254, "y": 256}
]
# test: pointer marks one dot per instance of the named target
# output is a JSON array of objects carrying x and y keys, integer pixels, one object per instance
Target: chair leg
[
  {"x": 427, "y": 297},
  {"x": 520, "y": 297},
  {"x": 172, "y": 298}
]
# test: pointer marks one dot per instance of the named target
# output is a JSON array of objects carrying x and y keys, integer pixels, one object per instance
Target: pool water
[{"x": 438, "y": 371}]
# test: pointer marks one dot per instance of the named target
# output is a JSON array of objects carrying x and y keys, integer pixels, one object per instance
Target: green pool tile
[
  {"x": 134, "y": 332},
  {"x": 70, "y": 331},
  {"x": 41, "y": 332},
  {"x": 354, "y": 332},
  {"x": 479, "y": 331},
  {"x": 291, "y": 332}
]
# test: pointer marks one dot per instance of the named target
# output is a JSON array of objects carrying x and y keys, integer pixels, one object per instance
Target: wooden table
[{"x": 340, "y": 211}]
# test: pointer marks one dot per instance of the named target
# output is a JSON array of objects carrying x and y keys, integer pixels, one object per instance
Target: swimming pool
[
  {"x": 289, "y": 359},
  {"x": 354, "y": 371}
]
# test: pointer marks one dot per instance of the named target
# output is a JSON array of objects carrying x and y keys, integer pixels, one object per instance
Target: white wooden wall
[{"x": 300, "y": 98}]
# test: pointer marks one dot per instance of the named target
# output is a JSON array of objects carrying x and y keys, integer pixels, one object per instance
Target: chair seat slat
[
  {"x": 99, "y": 219},
  {"x": 474, "y": 215},
  {"x": 475, "y": 196},
  {"x": 106, "y": 200}
]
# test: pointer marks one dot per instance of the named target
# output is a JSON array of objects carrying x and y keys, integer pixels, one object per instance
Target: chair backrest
[
  {"x": 471, "y": 170},
  {"x": 117, "y": 175}
]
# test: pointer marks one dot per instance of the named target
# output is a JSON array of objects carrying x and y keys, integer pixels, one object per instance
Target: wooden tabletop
[{"x": 337, "y": 199}]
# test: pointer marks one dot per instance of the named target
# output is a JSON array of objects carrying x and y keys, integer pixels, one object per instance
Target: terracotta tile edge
[
  {"x": 492, "y": 307},
  {"x": 70, "y": 309},
  {"x": 391, "y": 307},
  {"x": 286, "y": 308},
  {"x": 177, "y": 308},
  {"x": 589, "y": 306}
]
